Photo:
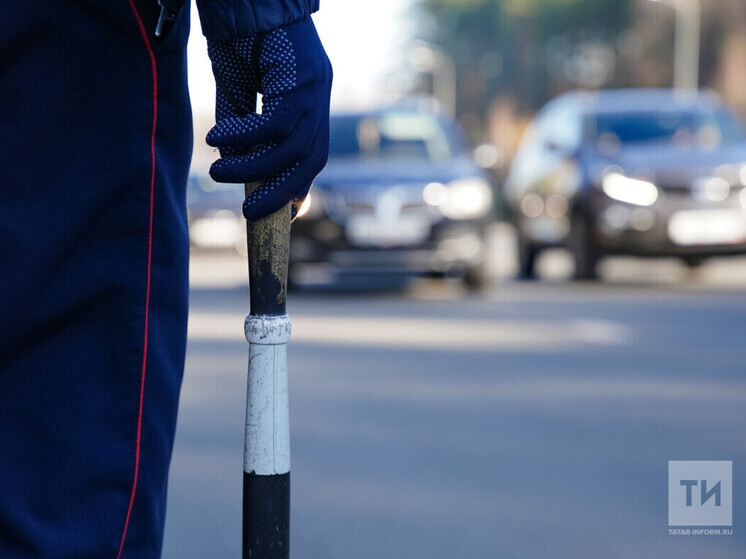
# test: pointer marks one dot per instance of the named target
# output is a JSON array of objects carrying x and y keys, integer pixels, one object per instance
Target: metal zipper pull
[{"x": 169, "y": 12}]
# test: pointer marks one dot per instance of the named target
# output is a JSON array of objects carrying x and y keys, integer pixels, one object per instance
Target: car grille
[
  {"x": 340, "y": 204},
  {"x": 680, "y": 190}
]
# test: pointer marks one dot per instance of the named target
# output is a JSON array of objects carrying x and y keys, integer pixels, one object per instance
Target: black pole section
[
  {"x": 266, "y": 498},
  {"x": 268, "y": 244},
  {"x": 266, "y": 516}
]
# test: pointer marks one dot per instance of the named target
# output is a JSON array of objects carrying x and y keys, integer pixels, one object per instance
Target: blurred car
[
  {"x": 215, "y": 219},
  {"x": 401, "y": 194},
  {"x": 640, "y": 172}
]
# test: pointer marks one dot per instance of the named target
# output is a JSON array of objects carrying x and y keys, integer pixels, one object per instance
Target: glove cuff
[{"x": 223, "y": 20}]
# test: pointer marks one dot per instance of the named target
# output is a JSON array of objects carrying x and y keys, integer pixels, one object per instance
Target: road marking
[{"x": 416, "y": 333}]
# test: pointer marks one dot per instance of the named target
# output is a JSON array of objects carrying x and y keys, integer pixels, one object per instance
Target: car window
[
  {"x": 561, "y": 128},
  {"x": 392, "y": 135},
  {"x": 558, "y": 125},
  {"x": 708, "y": 129},
  {"x": 526, "y": 163}
]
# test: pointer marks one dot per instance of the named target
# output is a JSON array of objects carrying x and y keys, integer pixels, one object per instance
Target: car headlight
[
  {"x": 632, "y": 191},
  {"x": 312, "y": 207},
  {"x": 460, "y": 199}
]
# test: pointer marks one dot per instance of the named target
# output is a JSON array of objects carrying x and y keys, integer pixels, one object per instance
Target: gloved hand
[{"x": 286, "y": 145}]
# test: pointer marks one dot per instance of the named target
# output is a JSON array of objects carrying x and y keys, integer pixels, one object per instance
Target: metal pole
[
  {"x": 266, "y": 480},
  {"x": 444, "y": 76},
  {"x": 686, "y": 62},
  {"x": 428, "y": 59},
  {"x": 686, "y": 44}
]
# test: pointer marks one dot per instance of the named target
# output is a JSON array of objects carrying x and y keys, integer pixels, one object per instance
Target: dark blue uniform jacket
[{"x": 96, "y": 142}]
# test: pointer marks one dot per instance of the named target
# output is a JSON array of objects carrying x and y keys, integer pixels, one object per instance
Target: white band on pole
[
  {"x": 267, "y": 330},
  {"x": 267, "y": 442}
]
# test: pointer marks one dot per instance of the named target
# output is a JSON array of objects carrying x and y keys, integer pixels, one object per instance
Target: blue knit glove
[{"x": 286, "y": 145}]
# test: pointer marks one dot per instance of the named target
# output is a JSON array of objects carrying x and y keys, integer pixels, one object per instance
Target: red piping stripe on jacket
[{"x": 144, "y": 35}]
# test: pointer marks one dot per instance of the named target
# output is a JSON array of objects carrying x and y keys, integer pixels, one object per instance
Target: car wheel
[
  {"x": 527, "y": 254},
  {"x": 693, "y": 262},
  {"x": 586, "y": 254},
  {"x": 475, "y": 276}
]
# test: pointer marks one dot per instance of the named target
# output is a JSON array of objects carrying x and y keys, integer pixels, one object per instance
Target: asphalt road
[{"x": 533, "y": 420}]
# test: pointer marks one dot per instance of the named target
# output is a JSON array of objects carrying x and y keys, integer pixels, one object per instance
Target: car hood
[
  {"x": 669, "y": 165},
  {"x": 343, "y": 174}
]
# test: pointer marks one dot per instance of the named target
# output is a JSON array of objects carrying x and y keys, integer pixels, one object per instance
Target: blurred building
[{"x": 511, "y": 57}]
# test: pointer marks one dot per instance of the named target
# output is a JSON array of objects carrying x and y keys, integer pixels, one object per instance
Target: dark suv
[
  {"x": 401, "y": 194},
  {"x": 641, "y": 172}
]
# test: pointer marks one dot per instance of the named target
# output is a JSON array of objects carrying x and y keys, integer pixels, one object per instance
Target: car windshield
[
  {"x": 392, "y": 135},
  {"x": 202, "y": 190},
  {"x": 707, "y": 129}
]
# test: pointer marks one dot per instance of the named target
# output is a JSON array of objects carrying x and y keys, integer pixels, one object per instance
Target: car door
[{"x": 545, "y": 174}]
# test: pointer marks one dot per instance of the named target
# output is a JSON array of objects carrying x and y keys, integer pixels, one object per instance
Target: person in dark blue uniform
[{"x": 97, "y": 135}]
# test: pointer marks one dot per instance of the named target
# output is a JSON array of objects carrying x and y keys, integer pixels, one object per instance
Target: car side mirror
[
  {"x": 562, "y": 151},
  {"x": 554, "y": 147}
]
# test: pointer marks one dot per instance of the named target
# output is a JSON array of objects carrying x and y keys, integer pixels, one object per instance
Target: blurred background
[{"x": 519, "y": 286}]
